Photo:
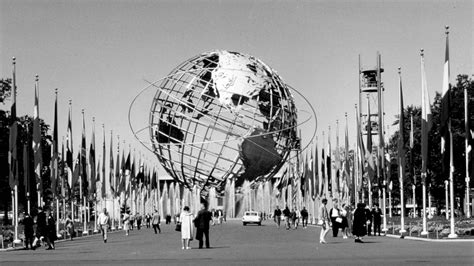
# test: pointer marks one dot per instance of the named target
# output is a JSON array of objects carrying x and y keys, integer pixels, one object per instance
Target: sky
[{"x": 99, "y": 54}]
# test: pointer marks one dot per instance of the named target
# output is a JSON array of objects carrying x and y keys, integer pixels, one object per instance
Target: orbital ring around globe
[{"x": 222, "y": 115}]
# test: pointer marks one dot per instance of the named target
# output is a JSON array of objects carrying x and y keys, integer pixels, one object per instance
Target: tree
[
  {"x": 435, "y": 176},
  {"x": 25, "y": 125}
]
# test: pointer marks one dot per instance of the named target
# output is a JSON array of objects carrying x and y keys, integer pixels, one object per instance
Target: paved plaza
[{"x": 234, "y": 244}]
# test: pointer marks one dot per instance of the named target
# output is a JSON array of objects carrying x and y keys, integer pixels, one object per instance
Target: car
[{"x": 251, "y": 217}]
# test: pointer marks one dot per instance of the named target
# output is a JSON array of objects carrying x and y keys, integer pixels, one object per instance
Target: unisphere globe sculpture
[{"x": 222, "y": 114}]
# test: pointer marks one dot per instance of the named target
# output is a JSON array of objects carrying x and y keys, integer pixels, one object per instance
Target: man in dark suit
[
  {"x": 377, "y": 217},
  {"x": 28, "y": 230},
  {"x": 202, "y": 221}
]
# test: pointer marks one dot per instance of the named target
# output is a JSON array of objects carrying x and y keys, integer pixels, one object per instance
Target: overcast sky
[{"x": 99, "y": 53}]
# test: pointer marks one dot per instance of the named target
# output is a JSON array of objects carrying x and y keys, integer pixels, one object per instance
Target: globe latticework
[{"x": 222, "y": 114}]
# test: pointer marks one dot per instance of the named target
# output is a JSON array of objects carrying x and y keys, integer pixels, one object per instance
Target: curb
[
  {"x": 430, "y": 240},
  {"x": 59, "y": 241}
]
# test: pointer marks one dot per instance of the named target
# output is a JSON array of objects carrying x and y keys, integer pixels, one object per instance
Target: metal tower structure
[{"x": 372, "y": 127}]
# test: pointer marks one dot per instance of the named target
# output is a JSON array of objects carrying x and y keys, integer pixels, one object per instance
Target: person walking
[
  {"x": 202, "y": 221},
  {"x": 335, "y": 218},
  {"x": 41, "y": 230},
  {"x": 304, "y": 218},
  {"x": 126, "y": 222},
  {"x": 186, "y": 218},
  {"x": 51, "y": 234},
  {"x": 349, "y": 217},
  {"x": 368, "y": 214},
  {"x": 28, "y": 230},
  {"x": 294, "y": 217},
  {"x": 131, "y": 221},
  {"x": 377, "y": 218},
  {"x": 148, "y": 220},
  {"x": 155, "y": 221},
  {"x": 359, "y": 228},
  {"x": 138, "y": 218},
  {"x": 70, "y": 226},
  {"x": 103, "y": 222},
  {"x": 344, "y": 225},
  {"x": 277, "y": 216},
  {"x": 287, "y": 214},
  {"x": 324, "y": 221}
]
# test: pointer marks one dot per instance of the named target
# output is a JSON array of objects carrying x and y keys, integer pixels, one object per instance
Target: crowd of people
[
  {"x": 356, "y": 222},
  {"x": 43, "y": 234},
  {"x": 350, "y": 221}
]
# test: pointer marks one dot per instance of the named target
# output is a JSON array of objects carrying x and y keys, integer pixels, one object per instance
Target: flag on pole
[
  {"x": 55, "y": 157},
  {"x": 337, "y": 164},
  {"x": 13, "y": 141},
  {"x": 117, "y": 171},
  {"x": 127, "y": 174},
  {"x": 69, "y": 152},
  {"x": 369, "y": 156},
  {"x": 412, "y": 144},
  {"x": 329, "y": 164},
  {"x": 26, "y": 168},
  {"x": 347, "y": 180},
  {"x": 316, "y": 176},
  {"x": 322, "y": 182},
  {"x": 360, "y": 152},
  {"x": 62, "y": 174},
  {"x": 83, "y": 160},
  {"x": 401, "y": 139},
  {"x": 103, "y": 190},
  {"x": 111, "y": 173},
  {"x": 37, "y": 151},
  {"x": 445, "y": 123},
  {"x": 93, "y": 174}
]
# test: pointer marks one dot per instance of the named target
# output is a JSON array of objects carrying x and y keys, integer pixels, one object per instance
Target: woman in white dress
[
  {"x": 126, "y": 223},
  {"x": 186, "y": 218}
]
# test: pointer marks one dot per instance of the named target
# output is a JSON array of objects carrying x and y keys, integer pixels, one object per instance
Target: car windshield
[{"x": 251, "y": 214}]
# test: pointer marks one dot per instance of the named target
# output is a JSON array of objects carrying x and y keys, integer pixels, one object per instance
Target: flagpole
[
  {"x": 466, "y": 123},
  {"x": 37, "y": 183},
  {"x": 412, "y": 166},
  {"x": 424, "y": 137},
  {"x": 390, "y": 202},
  {"x": 446, "y": 188},
  {"x": 369, "y": 131},
  {"x": 451, "y": 163},
  {"x": 401, "y": 165}
]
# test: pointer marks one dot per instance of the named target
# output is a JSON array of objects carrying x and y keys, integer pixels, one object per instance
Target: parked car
[{"x": 251, "y": 217}]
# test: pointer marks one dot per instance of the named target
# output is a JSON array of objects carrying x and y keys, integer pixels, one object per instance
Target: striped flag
[
  {"x": 37, "y": 151},
  {"x": 445, "y": 125}
]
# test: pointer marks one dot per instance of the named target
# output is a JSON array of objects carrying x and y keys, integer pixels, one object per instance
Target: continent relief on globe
[{"x": 258, "y": 155}]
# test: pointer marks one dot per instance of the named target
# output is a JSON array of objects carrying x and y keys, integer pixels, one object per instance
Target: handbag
[
  {"x": 338, "y": 220},
  {"x": 178, "y": 227}
]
